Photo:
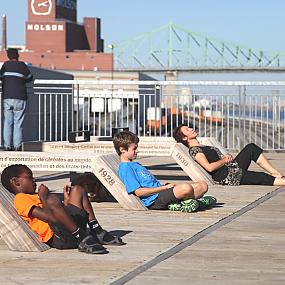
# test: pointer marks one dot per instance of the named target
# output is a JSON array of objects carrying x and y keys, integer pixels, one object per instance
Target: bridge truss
[{"x": 173, "y": 47}]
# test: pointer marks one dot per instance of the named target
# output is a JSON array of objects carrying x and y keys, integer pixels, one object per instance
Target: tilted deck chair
[
  {"x": 14, "y": 231},
  {"x": 196, "y": 172},
  {"x": 105, "y": 169}
]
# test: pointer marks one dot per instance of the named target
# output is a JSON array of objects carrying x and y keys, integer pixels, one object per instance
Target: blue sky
[{"x": 258, "y": 24}]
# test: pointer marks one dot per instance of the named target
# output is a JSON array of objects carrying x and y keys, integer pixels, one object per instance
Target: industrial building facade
[{"x": 55, "y": 40}]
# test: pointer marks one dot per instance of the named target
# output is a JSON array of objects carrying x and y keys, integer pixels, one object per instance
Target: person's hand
[
  {"x": 66, "y": 194},
  {"x": 227, "y": 158},
  {"x": 169, "y": 185},
  {"x": 43, "y": 191}
]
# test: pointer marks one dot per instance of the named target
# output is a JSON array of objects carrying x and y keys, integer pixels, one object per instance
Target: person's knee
[
  {"x": 53, "y": 202},
  {"x": 195, "y": 190},
  {"x": 186, "y": 189},
  {"x": 203, "y": 187},
  {"x": 78, "y": 190},
  {"x": 251, "y": 146},
  {"x": 254, "y": 151},
  {"x": 200, "y": 188}
]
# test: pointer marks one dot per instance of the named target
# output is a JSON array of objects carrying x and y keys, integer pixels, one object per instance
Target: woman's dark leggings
[{"x": 249, "y": 153}]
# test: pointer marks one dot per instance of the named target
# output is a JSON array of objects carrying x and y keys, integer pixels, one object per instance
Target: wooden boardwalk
[{"x": 241, "y": 241}]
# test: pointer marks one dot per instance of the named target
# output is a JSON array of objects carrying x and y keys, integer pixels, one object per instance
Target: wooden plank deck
[{"x": 247, "y": 250}]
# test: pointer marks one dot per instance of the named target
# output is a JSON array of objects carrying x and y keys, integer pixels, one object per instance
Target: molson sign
[
  {"x": 45, "y": 27},
  {"x": 55, "y": 9},
  {"x": 41, "y": 7}
]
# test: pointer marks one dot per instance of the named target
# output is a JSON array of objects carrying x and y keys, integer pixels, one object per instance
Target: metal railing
[{"x": 234, "y": 112}]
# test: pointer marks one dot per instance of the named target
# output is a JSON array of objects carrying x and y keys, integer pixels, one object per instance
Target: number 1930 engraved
[
  {"x": 182, "y": 159},
  {"x": 103, "y": 172}
]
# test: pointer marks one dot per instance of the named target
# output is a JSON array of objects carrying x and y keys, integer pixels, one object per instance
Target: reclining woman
[{"x": 225, "y": 169}]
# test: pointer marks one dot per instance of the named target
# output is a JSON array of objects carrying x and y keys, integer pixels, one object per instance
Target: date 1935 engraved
[
  {"x": 181, "y": 159},
  {"x": 103, "y": 172}
]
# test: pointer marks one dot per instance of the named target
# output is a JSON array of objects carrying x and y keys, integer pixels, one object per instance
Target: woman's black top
[{"x": 229, "y": 174}]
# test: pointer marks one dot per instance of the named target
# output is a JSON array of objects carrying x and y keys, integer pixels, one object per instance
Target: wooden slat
[
  {"x": 105, "y": 169},
  {"x": 197, "y": 173},
  {"x": 181, "y": 155},
  {"x": 13, "y": 230}
]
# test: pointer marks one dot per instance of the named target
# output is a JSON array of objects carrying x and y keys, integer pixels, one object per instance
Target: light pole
[{"x": 111, "y": 46}]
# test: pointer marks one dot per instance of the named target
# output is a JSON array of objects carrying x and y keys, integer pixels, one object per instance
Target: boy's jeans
[{"x": 14, "y": 114}]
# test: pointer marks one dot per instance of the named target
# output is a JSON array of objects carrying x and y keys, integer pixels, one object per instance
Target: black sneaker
[
  {"x": 107, "y": 238},
  {"x": 91, "y": 245}
]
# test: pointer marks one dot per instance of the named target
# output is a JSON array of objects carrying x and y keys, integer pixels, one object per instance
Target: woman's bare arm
[{"x": 210, "y": 167}]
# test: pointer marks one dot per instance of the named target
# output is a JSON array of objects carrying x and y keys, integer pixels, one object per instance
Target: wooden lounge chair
[
  {"x": 106, "y": 168},
  {"x": 196, "y": 172}
]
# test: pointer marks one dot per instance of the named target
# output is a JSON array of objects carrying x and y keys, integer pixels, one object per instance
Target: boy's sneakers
[
  {"x": 206, "y": 202},
  {"x": 190, "y": 205},
  {"x": 91, "y": 245},
  {"x": 174, "y": 207},
  {"x": 186, "y": 206}
]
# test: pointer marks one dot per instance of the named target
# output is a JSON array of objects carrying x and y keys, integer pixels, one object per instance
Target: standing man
[{"x": 14, "y": 74}]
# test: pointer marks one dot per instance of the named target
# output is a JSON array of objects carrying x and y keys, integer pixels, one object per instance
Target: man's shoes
[
  {"x": 206, "y": 202},
  {"x": 18, "y": 148},
  {"x": 8, "y": 148},
  {"x": 190, "y": 205},
  {"x": 91, "y": 245}
]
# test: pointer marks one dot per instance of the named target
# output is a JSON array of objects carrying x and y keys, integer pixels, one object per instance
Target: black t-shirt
[
  {"x": 228, "y": 174},
  {"x": 14, "y": 75}
]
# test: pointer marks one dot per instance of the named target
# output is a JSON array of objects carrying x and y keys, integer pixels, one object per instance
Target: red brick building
[{"x": 55, "y": 40}]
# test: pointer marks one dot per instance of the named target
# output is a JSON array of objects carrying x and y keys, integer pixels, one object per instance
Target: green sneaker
[
  {"x": 190, "y": 205},
  {"x": 206, "y": 202},
  {"x": 174, "y": 207}
]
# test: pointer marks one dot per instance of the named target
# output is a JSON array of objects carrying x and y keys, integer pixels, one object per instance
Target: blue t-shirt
[{"x": 135, "y": 176}]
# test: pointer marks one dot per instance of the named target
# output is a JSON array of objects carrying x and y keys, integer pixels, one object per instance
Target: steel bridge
[{"x": 172, "y": 47}]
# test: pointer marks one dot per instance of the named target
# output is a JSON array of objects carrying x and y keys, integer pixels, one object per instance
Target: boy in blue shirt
[{"x": 138, "y": 180}]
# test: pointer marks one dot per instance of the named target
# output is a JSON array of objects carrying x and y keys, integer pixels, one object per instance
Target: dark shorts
[
  {"x": 63, "y": 239},
  {"x": 164, "y": 198}
]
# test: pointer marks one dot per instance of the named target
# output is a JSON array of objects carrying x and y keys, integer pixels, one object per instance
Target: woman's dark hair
[
  {"x": 10, "y": 172},
  {"x": 178, "y": 135}
]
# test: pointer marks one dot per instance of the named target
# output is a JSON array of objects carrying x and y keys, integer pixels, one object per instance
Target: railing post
[
  {"x": 243, "y": 108},
  {"x": 239, "y": 115},
  {"x": 1, "y": 116},
  {"x": 77, "y": 108}
]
